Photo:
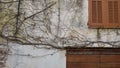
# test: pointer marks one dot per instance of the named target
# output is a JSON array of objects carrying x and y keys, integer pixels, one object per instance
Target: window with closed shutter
[{"x": 104, "y": 14}]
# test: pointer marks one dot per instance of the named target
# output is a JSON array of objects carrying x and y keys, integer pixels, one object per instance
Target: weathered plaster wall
[
  {"x": 72, "y": 22},
  {"x": 73, "y": 16},
  {"x": 77, "y": 17},
  {"x": 31, "y": 57}
]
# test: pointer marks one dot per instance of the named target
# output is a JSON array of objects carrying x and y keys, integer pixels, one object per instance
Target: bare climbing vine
[{"x": 40, "y": 24}]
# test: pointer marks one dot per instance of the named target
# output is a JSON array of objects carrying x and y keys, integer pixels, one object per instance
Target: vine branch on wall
[{"x": 47, "y": 37}]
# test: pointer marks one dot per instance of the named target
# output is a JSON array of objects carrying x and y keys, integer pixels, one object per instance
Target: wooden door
[{"x": 93, "y": 58}]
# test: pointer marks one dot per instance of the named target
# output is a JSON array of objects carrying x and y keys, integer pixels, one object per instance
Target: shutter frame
[{"x": 102, "y": 18}]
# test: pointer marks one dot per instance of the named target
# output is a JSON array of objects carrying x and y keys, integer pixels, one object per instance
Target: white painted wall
[
  {"x": 30, "y": 57},
  {"x": 19, "y": 57}
]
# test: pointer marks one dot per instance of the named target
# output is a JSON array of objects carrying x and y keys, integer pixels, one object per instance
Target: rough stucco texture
[{"x": 72, "y": 16}]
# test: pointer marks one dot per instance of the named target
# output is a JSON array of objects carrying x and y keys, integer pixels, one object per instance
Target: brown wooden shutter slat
[
  {"x": 116, "y": 14},
  {"x": 110, "y": 11},
  {"x": 93, "y": 58},
  {"x": 97, "y": 11},
  {"x": 83, "y": 65},
  {"x": 109, "y": 58},
  {"x": 104, "y": 14},
  {"x": 110, "y": 65},
  {"x": 99, "y": 6},
  {"x": 113, "y": 11},
  {"x": 83, "y": 58},
  {"x": 94, "y": 12}
]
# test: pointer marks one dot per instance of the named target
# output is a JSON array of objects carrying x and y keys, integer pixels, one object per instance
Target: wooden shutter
[
  {"x": 104, "y": 14},
  {"x": 93, "y": 58}
]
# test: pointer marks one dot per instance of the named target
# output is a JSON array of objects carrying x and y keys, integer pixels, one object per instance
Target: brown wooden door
[{"x": 93, "y": 58}]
